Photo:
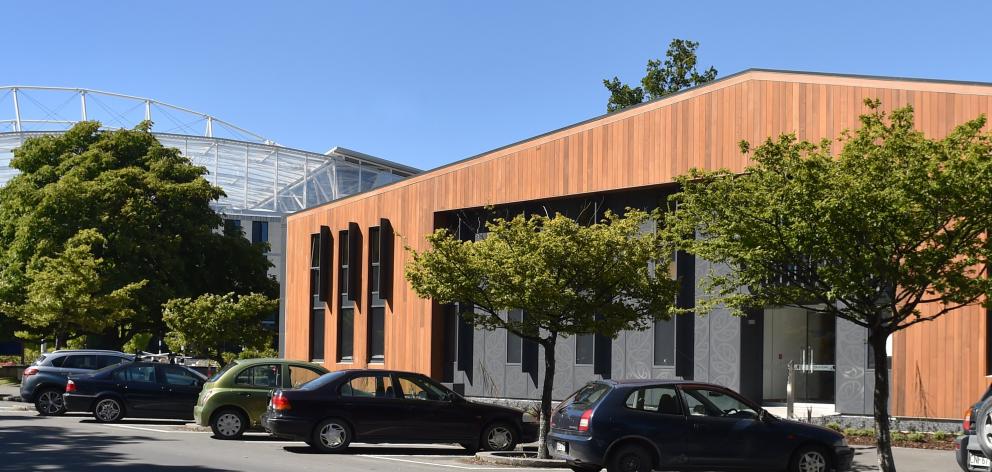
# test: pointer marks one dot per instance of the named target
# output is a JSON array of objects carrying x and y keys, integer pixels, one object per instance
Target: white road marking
[
  {"x": 154, "y": 430},
  {"x": 435, "y": 464}
]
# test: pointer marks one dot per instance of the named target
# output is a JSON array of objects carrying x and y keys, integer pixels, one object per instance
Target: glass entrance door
[{"x": 806, "y": 341}]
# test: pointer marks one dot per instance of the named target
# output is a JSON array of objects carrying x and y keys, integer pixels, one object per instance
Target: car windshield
[
  {"x": 220, "y": 373},
  {"x": 588, "y": 395},
  {"x": 321, "y": 381}
]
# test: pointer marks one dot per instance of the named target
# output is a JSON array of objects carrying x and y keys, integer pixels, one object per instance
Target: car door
[
  {"x": 372, "y": 406},
  {"x": 141, "y": 389},
  {"x": 724, "y": 429},
  {"x": 253, "y": 386},
  {"x": 655, "y": 413},
  {"x": 429, "y": 414},
  {"x": 181, "y": 390}
]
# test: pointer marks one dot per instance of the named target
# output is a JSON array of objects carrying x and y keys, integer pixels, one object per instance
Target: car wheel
[
  {"x": 228, "y": 423},
  {"x": 331, "y": 435},
  {"x": 810, "y": 459},
  {"x": 499, "y": 437},
  {"x": 108, "y": 410},
  {"x": 630, "y": 459},
  {"x": 50, "y": 402},
  {"x": 983, "y": 427}
]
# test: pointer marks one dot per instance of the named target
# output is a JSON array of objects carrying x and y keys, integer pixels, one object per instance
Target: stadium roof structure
[{"x": 259, "y": 176}]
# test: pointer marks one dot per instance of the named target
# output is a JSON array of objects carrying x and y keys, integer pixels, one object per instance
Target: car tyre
[
  {"x": 49, "y": 402},
  {"x": 810, "y": 459},
  {"x": 630, "y": 458},
  {"x": 983, "y": 427},
  {"x": 108, "y": 410},
  {"x": 330, "y": 436},
  {"x": 585, "y": 468},
  {"x": 498, "y": 437},
  {"x": 228, "y": 423}
]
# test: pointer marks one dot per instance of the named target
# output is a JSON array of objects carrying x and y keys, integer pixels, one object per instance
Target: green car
[{"x": 234, "y": 399}]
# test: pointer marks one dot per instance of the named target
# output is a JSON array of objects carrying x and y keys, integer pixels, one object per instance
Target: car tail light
[
  {"x": 30, "y": 371},
  {"x": 70, "y": 387},
  {"x": 966, "y": 425},
  {"x": 584, "y": 421},
  {"x": 280, "y": 402}
]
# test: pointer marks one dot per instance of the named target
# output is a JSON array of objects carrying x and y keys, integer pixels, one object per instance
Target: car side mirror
[
  {"x": 452, "y": 397},
  {"x": 764, "y": 416}
]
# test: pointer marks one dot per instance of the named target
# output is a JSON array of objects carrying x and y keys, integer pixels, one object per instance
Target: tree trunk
[
  {"x": 883, "y": 437},
  {"x": 549, "y": 383}
]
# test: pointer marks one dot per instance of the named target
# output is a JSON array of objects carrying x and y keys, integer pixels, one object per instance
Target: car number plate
[
  {"x": 560, "y": 447},
  {"x": 979, "y": 461}
]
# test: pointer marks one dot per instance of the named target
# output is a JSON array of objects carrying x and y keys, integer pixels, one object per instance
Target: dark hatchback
[
  {"x": 139, "y": 389},
  {"x": 635, "y": 426},
  {"x": 374, "y": 406}
]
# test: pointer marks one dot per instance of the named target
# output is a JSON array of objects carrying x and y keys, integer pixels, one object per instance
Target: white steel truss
[{"x": 259, "y": 176}]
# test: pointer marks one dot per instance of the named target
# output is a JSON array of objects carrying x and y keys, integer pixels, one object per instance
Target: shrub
[
  {"x": 835, "y": 426},
  {"x": 941, "y": 436},
  {"x": 897, "y": 436},
  {"x": 850, "y": 432},
  {"x": 917, "y": 437}
]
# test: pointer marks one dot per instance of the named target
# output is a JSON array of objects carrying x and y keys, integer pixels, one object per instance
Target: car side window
[
  {"x": 80, "y": 362},
  {"x": 263, "y": 376},
  {"x": 663, "y": 400},
  {"x": 106, "y": 361},
  {"x": 141, "y": 373},
  {"x": 363, "y": 386},
  {"x": 120, "y": 375},
  {"x": 714, "y": 403},
  {"x": 300, "y": 375},
  {"x": 58, "y": 361},
  {"x": 415, "y": 388},
  {"x": 178, "y": 376}
]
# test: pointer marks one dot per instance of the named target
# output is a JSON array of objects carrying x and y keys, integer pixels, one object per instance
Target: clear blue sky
[{"x": 427, "y": 83}]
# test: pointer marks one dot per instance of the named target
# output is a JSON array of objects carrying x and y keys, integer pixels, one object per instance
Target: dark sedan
[
  {"x": 140, "y": 389},
  {"x": 373, "y": 406},
  {"x": 637, "y": 426}
]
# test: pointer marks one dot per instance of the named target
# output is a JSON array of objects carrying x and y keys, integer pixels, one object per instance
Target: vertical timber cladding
[{"x": 646, "y": 145}]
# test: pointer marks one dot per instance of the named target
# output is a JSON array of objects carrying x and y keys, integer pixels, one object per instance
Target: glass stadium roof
[{"x": 259, "y": 176}]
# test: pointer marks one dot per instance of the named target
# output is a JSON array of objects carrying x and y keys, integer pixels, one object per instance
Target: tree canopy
[
  {"x": 216, "y": 326},
  {"x": 893, "y": 223},
  {"x": 150, "y": 205},
  {"x": 567, "y": 278},
  {"x": 676, "y": 73}
]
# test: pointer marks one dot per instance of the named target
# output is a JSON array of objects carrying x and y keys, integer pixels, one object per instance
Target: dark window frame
[{"x": 318, "y": 320}]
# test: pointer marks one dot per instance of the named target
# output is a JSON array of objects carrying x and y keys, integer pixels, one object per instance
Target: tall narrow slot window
[
  {"x": 514, "y": 344},
  {"x": 376, "y": 328},
  {"x": 664, "y": 330},
  {"x": 346, "y": 313},
  {"x": 316, "y": 305},
  {"x": 585, "y": 349}
]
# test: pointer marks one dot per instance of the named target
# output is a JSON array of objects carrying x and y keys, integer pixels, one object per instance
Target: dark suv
[
  {"x": 44, "y": 381},
  {"x": 642, "y": 425}
]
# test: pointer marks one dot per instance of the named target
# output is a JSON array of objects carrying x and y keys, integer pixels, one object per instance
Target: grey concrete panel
[{"x": 851, "y": 360}]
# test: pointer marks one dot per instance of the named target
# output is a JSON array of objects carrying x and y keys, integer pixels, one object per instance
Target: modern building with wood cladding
[{"x": 347, "y": 305}]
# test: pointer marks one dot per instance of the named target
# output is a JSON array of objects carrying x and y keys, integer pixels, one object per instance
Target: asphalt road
[{"x": 29, "y": 442}]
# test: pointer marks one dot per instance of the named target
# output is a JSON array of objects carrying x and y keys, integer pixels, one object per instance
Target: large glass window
[
  {"x": 664, "y": 342},
  {"x": 343, "y": 258},
  {"x": 514, "y": 344},
  {"x": 259, "y": 232},
  {"x": 585, "y": 349}
]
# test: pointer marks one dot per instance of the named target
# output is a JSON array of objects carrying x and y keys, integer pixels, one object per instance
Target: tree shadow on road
[{"x": 25, "y": 448}]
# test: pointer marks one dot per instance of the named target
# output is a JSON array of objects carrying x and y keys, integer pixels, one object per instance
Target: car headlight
[{"x": 842, "y": 442}]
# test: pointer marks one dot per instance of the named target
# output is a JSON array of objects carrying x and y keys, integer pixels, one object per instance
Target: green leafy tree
[
  {"x": 568, "y": 279},
  {"x": 216, "y": 325},
  {"x": 149, "y": 203},
  {"x": 894, "y": 222},
  {"x": 678, "y": 72},
  {"x": 68, "y": 296}
]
